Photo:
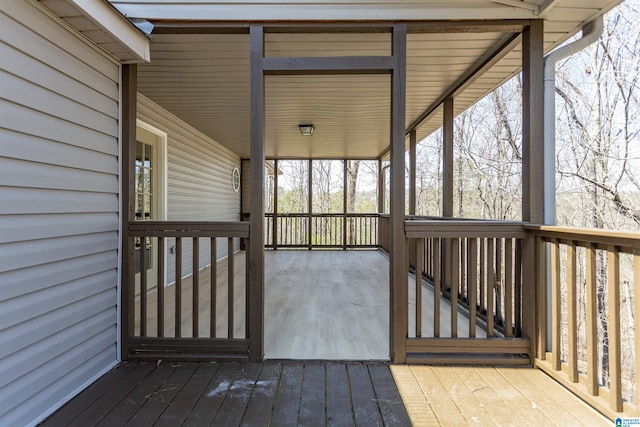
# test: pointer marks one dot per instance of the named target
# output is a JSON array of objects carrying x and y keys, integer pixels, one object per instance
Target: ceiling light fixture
[{"x": 306, "y": 130}]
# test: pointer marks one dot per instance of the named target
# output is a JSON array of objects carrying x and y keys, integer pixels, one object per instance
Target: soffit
[{"x": 204, "y": 79}]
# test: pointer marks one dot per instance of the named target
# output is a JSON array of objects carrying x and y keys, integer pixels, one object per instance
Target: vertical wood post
[
  {"x": 380, "y": 187},
  {"x": 412, "y": 172},
  {"x": 398, "y": 269},
  {"x": 255, "y": 286},
  {"x": 532, "y": 170},
  {"x": 129, "y": 87},
  {"x": 447, "y": 189},
  {"x": 275, "y": 205},
  {"x": 344, "y": 204},
  {"x": 310, "y": 205}
]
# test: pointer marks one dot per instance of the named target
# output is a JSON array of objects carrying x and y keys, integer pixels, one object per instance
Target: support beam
[
  {"x": 380, "y": 187},
  {"x": 398, "y": 270},
  {"x": 412, "y": 172},
  {"x": 275, "y": 205},
  {"x": 255, "y": 288},
  {"x": 328, "y": 65},
  {"x": 447, "y": 158},
  {"x": 310, "y": 205},
  {"x": 532, "y": 173},
  {"x": 344, "y": 204},
  {"x": 129, "y": 86}
]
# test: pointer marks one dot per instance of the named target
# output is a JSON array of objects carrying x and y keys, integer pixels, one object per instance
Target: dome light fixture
[{"x": 306, "y": 130}]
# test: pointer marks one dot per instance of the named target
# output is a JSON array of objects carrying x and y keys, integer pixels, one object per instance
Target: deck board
[{"x": 489, "y": 396}]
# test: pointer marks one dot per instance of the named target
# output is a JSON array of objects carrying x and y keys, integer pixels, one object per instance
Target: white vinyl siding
[
  {"x": 199, "y": 180},
  {"x": 58, "y": 212}
]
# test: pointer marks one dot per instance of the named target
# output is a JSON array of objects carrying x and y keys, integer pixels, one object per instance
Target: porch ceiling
[{"x": 204, "y": 79}]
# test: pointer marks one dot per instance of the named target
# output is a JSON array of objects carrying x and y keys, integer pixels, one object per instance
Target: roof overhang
[{"x": 105, "y": 26}]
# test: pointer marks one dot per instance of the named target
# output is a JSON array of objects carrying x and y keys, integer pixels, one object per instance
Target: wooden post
[
  {"x": 310, "y": 199},
  {"x": 255, "y": 287},
  {"x": 129, "y": 109},
  {"x": 275, "y": 205},
  {"x": 532, "y": 170},
  {"x": 447, "y": 189},
  {"x": 397, "y": 245},
  {"x": 344, "y": 204},
  {"x": 412, "y": 172},
  {"x": 380, "y": 187}
]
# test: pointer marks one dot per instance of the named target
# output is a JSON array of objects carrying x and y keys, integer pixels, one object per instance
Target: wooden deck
[
  {"x": 289, "y": 393},
  {"x": 486, "y": 396},
  {"x": 232, "y": 394}
]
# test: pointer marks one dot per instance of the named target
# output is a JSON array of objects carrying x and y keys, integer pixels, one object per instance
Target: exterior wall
[
  {"x": 58, "y": 212},
  {"x": 199, "y": 180}
]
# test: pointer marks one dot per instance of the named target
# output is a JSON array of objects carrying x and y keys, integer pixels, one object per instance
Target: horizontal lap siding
[
  {"x": 198, "y": 181},
  {"x": 58, "y": 212}
]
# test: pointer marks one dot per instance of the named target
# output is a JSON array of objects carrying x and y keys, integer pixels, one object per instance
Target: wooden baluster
[
  {"x": 508, "y": 288},
  {"x": 178, "y": 307},
  {"x": 143, "y": 286},
  {"x": 160, "y": 282},
  {"x": 455, "y": 283},
  {"x": 490, "y": 287},
  {"x": 483, "y": 274},
  {"x": 592, "y": 319},
  {"x": 213, "y": 310},
  {"x": 195, "y": 286},
  {"x": 472, "y": 276},
  {"x": 555, "y": 304},
  {"x": 498, "y": 281},
  {"x": 636, "y": 308},
  {"x": 572, "y": 317},
  {"x": 518, "y": 288},
  {"x": 437, "y": 285},
  {"x": 419, "y": 268},
  {"x": 230, "y": 292},
  {"x": 613, "y": 322},
  {"x": 463, "y": 270}
]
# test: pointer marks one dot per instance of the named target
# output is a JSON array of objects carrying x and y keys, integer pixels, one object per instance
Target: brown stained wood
[
  {"x": 187, "y": 395},
  {"x": 195, "y": 289},
  {"x": 231, "y": 289},
  {"x": 483, "y": 276},
  {"x": 556, "y": 316},
  {"x": 535, "y": 252},
  {"x": 463, "y": 271},
  {"x": 490, "y": 287},
  {"x": 312, "y": 398},
  {"x": 437, "y": 285},
  {"x": 473, "y": 285},
  {"x": 287, "y": 402},
  {"x": 143, "y": 287},
  {"x": 310, "y": 204},
  {"x": 389, "y": 401},
  {"x": 572, "y": 314},
  {"x": 508, "y": 288},
  {"x": 517, "y": 289},
  {"x": 255, "y": 286},
  {"x": 188, "y": 228},
  {"x": 363, "y": 399},
  {"x": 235, "y": 402},
  {"x": 613, "y": 323},
  {"x": 328, "y": 65},
  {"x": 412, "y": 172},
  {"x": 419, "y": 271},
  {"x": 160, "y": 288},
  {"x": 591, "y": 319},
  {"x": 398, "y": 277},
  {"x": 91, "y": 395},
  {"x": 274, "y": 241},
  {"x": 139, "y": 396},
  {"x": 178, "y": 290},
  {"x": 129, "y": 89},
  {"x": 213, "y": 288},
  {"x": 209, "y": 402},
  {"x": 601, "y": 238},
  {"x": 636, "y": 308},
  {"x": 455, "y": 283},
  {"x": 533, "y": 122},
  {"x": 498, "y": 281},
  {"x": 260, "y": 403},
  {"x": 162, "y": 399}
]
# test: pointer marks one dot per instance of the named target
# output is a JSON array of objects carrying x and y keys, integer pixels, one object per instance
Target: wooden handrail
[
  {"x": 627, "y": 241},
  {"x": 464, "y": 229},
  {"x": 188, "y": 229}
]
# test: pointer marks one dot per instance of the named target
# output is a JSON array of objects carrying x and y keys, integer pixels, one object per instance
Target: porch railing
[
  {"x": 469, "y": 273},
  {"x": 197, "y": 312},
  {"x": 593, "y": 335},
  {"x": 321, "y": 230}
]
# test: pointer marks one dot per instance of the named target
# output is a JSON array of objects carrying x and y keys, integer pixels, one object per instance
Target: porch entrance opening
[{"x": 328, "y": 305}]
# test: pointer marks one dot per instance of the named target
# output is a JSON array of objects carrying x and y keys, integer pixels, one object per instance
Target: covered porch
[{"x": 485, "y": 296}]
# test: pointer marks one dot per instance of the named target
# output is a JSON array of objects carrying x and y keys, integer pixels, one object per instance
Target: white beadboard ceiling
[{"x": 204, "y": 79}]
